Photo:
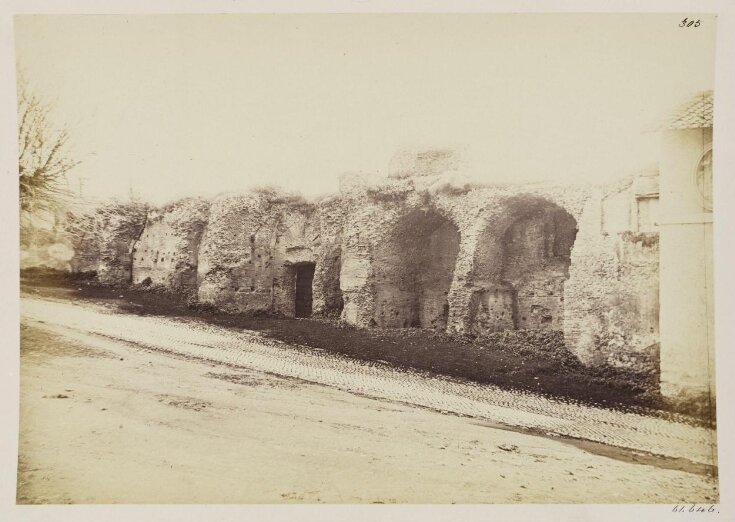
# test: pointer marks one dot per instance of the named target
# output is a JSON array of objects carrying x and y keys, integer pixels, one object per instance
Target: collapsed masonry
[{"x": 417, "y": 249}]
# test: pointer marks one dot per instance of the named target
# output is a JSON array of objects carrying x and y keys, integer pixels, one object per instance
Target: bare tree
[{"x": 43, "y": 155}]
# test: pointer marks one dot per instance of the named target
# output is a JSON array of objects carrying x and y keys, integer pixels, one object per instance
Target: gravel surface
[{"x": 512, "y": 408}]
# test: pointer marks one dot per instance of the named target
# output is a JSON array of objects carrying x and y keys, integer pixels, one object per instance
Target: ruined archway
[
  {"x": 520, "y": 266},
  {"x": 412, "y": 269}
]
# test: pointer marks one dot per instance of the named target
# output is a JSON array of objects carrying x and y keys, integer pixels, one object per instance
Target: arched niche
[
  {"x": 412, "y": 271},
  {"x": 520, "y": 266}
]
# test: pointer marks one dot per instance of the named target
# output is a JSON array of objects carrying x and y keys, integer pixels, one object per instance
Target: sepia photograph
[{"x": 365, "y": 258}]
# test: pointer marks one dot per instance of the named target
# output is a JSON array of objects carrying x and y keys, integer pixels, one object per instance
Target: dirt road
[{"x": 106, "y": 420}]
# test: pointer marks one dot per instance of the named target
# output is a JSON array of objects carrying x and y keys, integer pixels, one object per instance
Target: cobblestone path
[{"x": 490, "y": 403}]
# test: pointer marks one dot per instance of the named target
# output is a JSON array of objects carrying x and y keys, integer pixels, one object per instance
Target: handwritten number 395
[{"x": 689, "y": 23}]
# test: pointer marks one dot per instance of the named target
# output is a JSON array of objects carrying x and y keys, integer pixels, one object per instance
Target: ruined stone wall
[
  {"x": 253, "y": 244},
  {"x": 167, "y": 251},
  {"x": 521, "y": 264},
  {"x": 327, "y": 224},
  {"x": 120, "y": 225},
  {"x": 484, "y": 295},
  {"x": 536, "y": 263},
  {"x": 98, "y": 238},
  {"x": 412, "y": 270},
  {"x": 399, "y": 252},
  {"x": 429, "y": 251},
  {"x": 611, "y": 296},
  {"x": 400, "y": 232}
]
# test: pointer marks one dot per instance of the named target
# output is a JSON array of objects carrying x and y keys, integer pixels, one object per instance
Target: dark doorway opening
[{"x": 304, "y": 278}]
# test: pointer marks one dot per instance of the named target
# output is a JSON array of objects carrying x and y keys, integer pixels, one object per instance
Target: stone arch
[
  {"x": 520, "y": 265},
  {"x": 412, "y": 269}
]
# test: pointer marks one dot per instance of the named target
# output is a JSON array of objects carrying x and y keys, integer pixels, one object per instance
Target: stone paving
[{"x": 487, "y": 402}]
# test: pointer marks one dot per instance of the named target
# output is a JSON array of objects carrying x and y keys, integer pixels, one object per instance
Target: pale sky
[{"x": 201, "y": 104}]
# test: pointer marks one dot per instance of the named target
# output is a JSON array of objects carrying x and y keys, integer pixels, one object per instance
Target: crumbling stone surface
[
  {"x": 328, "y": 222},
  {"x": 120, "y": 225},
  {"x": 521, "y": 264},
  {"x": 237, "y": 256},
  {"x": 422, "y": 248},
  {"x": 167, "y": 251},
  {"x": 483, "y": 218},
  {"x": 529, "y": 257},
  {"x": 611, "y": 296},
  {"x": 101, "y": 238},
  {"x": 253, "y": 244},
  {"x": 412, "y": 271}
]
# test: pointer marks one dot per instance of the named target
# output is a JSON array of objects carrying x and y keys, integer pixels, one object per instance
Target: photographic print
[{"x": 367, "y": 258}]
